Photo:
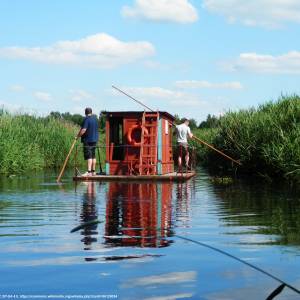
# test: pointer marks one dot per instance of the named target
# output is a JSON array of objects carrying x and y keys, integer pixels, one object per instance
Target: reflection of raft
[
  {"x": 165, "y": 177},
  {"x": 139, "y": 146}
]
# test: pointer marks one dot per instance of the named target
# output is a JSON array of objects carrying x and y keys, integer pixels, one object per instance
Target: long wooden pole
[
  {"x": 220, "y": 152},
  {"x": 139, "y": 102},
  {"x": 66, "y": 161},
  {"x": 194, "y": 137}
]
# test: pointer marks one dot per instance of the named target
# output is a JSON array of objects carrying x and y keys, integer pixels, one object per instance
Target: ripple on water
[{"x": 135, "y": 250}]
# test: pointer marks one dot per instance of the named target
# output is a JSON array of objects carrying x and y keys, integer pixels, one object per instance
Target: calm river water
[{"x": 137, "y": 252}]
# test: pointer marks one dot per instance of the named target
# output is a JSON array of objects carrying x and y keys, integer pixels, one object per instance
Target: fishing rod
[
  {"x": 194, "y": 137},
  {"x": 274, "y": 293},
  {"x": 277, "y": 291}
]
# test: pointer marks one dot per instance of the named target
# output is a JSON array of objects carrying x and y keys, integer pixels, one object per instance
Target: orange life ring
[{"x": 129, "y": 137}]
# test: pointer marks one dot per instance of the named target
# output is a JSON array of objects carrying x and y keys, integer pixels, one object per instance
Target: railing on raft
[{"x": 102, "y": 149}]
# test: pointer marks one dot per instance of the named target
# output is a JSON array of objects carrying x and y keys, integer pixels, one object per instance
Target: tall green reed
[
  {"x": 32, "y": 143},
  {"x": 266, "y": 139}
]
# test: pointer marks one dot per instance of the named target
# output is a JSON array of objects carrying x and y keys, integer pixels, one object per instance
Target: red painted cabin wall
[{"x": 131, "y": 153}]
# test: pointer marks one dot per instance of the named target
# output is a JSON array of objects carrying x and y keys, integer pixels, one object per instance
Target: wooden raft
[{"x": 174, "y": 176}]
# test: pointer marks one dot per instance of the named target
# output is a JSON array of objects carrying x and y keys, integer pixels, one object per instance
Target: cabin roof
[{"x": 124, "y": 113}]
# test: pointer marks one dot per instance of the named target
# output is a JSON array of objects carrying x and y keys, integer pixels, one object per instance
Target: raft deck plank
[{"x": 174, "y": 176}]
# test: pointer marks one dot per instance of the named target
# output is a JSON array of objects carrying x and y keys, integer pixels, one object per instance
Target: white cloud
[
  {"x": 167, "y": 278},
  {"x": 79, "y": 95},
  {"x": 190, "y": 104},
  {"x": 180, "y": 11},
  {"x": 45, "y": 97},
  {"x": 264, "y": 13},
  {"x": 172, "y": 97},
  {"x": 17, "y": 88},
  {"x": 171, "y": 297},
  {"x": 99, "y": 51},
  {"x": 288, "y": 63},
  {"x": 233, "y": 85}
]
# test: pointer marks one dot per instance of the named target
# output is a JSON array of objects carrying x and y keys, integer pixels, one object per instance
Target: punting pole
[
  {"x": 66, "y": 161},
  {"x": 194, "y": 137}
]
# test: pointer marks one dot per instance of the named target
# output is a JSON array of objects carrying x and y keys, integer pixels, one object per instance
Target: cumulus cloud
[
  {"x": 194, "y": 84},
  {"x": 288, "y": 63},
  {"x": 188, "y": 103},
  {"x": 180, "y": 11},
  {"x": 42, "y": 96},
  {"x": 264, "y": 13},
  {"x": 99, "y": 51},
  {"x": 169, "y": 96}
]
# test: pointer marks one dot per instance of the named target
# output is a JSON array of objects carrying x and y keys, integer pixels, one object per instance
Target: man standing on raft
[
  {"x": 89, "y": 137},
  {"x": 183, "y": 133}
]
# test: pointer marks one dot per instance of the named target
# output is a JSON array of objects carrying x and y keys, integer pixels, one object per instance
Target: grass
[
  {"x": 33, "y": 143},
  {"x": 265, "y": 139},
  {"x": 29, "y": 143}
]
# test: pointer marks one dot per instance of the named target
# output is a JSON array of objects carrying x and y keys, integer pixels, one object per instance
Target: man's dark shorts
[
  {"x": 183, "y": 149},
  {"x": 89, "y": 150}
]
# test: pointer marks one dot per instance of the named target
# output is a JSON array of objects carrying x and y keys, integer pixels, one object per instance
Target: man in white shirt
[{"x": 183, "y": 133}]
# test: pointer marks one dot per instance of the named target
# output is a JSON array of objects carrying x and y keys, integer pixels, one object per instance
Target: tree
[
  {"x": 55, "y": 114},
  {"x": 211, "y": 122},
  {"x": 76, "y": 118},
  {"x": 193, "y": 123}
]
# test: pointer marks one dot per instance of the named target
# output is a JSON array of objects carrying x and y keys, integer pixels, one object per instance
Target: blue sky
[{"x": 191, "y": 57}]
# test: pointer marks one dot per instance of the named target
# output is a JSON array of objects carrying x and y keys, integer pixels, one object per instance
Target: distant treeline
[
  {"x": 210, "y": 122},
  {"x": 76, "y": 118},
  {"x": 265, "y": 139}
]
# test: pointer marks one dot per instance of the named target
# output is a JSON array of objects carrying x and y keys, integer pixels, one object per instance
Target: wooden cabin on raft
[{"x": 139, "y": 146}]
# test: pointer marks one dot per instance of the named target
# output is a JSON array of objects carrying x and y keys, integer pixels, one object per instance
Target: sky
[{"x": 187, "y": 57}]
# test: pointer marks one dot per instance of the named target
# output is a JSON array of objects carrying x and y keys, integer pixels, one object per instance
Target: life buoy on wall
[{"x": 129, "y": 137}]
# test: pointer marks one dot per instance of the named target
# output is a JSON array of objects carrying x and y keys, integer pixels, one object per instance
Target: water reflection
[
  {"x": 273, "y": 214},
  {"x": 36, "y": 218},
  {"x": 138, "y": 214},
  {"x": 183, "y": 196},
  {"x": 89, "y": 213}
]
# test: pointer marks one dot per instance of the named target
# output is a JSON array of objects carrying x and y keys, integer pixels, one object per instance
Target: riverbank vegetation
[
  {"x": 265, "y": 139},
  {"x": 33, "y": 143},
  {"x": 29, "y": 143}
]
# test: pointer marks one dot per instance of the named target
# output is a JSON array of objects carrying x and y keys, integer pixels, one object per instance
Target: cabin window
[
  {"x": 116, "y": 139},
  {"x": 166, "y": 127}
]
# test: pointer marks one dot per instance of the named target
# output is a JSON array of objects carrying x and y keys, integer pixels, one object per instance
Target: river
[{"x": 138, "y": 250}]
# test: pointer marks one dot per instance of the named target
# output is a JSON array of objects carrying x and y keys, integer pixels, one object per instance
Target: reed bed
[
  {"x": 265, "y": 139},
  {"x": 33, "y": 143}
]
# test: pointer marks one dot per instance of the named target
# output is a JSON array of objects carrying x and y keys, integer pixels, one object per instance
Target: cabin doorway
[{"x": 116, "y": 138}]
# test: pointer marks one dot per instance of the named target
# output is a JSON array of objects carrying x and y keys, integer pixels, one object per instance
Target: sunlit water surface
[{"x": 137, "y": 252}]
